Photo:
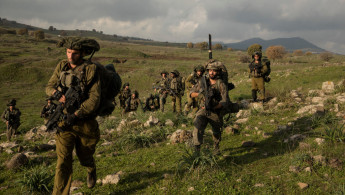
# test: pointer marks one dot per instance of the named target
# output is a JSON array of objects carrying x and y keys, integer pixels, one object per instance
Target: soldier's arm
[
  {"x": 224, "y": 94},
  {"x": 53, "y": 82},
  {"x": 91, "y": 104},
  {"x": 194, "y": 92},
  {"x": 3, "y": 117},
  {"x": 264, "y": 69}
]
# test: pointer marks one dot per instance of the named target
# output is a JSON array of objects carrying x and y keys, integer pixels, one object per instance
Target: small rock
[
  {"x": 248, "y": 144},
  {"x": 258, "y": 106},
  {"x": 272, "y": 102},
  {"x": 259, "y": 185},
  {"x": 317, "y": 100},
  {"x": 183, "y": 125},
  {"x": 294, "y": 169},
  {"x": 169, "y": 122},
  {"x": 17, "y": 161},
  {"x": 319, "y": 159},
  {"x": 72, "y": 189},
  {"x": 106, "y": 143},
  {"x": 336, "y": 107},
  {"x": 328, "y": 87},
  {"x": 77, "y": 183},
  {"x": 256, "y": 128},
  {"x": 302, "y": 185},
  {"x": 112, "y": 179},
  {"x": 336, "y": 163},
  {"x": 231, "y": 130},
  {"x": 167, "y": 175},
  {"x": 163, "y": 188},
  {"x": 307, "y": 169},
  {"x": 191, "y": 189},
  {"x": 319, "y": 141},
  {"x": 294, "y": 138},
  {"x": 241, "y": 121},
  {"x": 180, "y": 136},
  {"x": 303, "y": 145},
  {"x": 272, "y": 121},
  {"x": 9, "y": 151},
  {"x": 153, "y": 164}
]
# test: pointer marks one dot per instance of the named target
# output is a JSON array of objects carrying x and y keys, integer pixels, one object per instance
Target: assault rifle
[
  {"x": 72, "y": 103},
  {"x": 208, "y": 93},
  {"x": 168, "y": 89}
]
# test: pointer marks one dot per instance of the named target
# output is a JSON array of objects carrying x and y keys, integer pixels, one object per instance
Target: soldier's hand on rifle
[{"x": 7, "y": 122}]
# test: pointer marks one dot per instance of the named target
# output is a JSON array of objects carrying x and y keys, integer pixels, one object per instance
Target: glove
[
  {"x": 71, "y": 118},
  {"x": 57, "y": 95}
]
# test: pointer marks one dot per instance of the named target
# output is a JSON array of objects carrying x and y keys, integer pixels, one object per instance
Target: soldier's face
[
  {"x": 256, "y": 57},
  {"x": 199, "y": 73},
  {"x": 74, "y": 56},
  {"x": 212, "y": 73},
  {"x": 133, "y": 95},
  {"x": 11, "y": 107},
  {"x": 164, "y": 75}
]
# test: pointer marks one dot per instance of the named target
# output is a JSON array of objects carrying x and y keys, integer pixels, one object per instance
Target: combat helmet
[
  {"x": 175, "y": 72},
  {"x": 257, "y": 53},
  {"x": 214, "y": 65},
  {"x": 12, "y": 102},
  {"x": 199, "y": 68},
  {"x": 164, "y": 72},
  {"x": 124, "y": 85},
  {"x": 88, "y": 46}
]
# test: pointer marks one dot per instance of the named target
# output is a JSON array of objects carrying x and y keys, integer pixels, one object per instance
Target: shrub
[
  {"x": 298, "y": 52},
  {"x": 244, "y": 58},
  {"x": 275, "y": 52},
  {"x": 39, "y": 34},
  {"x": 23, "y": 31},
  {"x": 230, "y": 49},
  {"x": 253, "y": 48},
  {"x": 190, "y": 45},
  {"x": 201, "y": 45},
  {"x": 37, "y": 180},
  {"x": 308, "y": 53},
  {"x": 192, "y": 160},
  {"x": 326, "y": 56},
  {"x": 334, "y": 132},
  {"x": 218, "y": 46},
  {"x": 51, "y": 28}
]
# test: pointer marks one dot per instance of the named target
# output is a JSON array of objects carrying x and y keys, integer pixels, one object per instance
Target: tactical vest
[{"x": 69, "y": 77}]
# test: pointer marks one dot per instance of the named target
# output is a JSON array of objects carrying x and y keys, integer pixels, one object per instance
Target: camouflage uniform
[
  {"x": 132, "y": 104},
  {"x": 257, "y": 72},
  {"x": 84, "y": 134},
  {"x": 214, "y": 117},
  {"x": 13, "y": 119},
  {"x": 191, "y": 80},
  {"x": 152, "y": 103},
  {"x": 124, "y": 95},
  {"x": 163, "y": 85},
  {"x": 176, "y": 96}
]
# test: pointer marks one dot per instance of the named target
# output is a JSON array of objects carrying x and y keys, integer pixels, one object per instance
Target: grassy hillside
[{"x": 149, "y": 162}]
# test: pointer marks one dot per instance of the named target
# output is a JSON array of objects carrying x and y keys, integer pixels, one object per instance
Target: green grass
[{"x": 149, "y": 162}]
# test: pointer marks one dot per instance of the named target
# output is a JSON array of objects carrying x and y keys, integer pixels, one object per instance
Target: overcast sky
[{"x": 321, "y": 22}]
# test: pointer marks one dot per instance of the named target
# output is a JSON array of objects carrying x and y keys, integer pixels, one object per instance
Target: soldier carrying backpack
[{"x": 84, "y": 90}]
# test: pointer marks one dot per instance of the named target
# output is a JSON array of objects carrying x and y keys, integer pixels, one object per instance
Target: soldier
[
  {"x": 80, "y": 128},
  {"x": 132, "y": 103},
  {"x": 217, "y": 94},
  {"x": 163, "y": 85},
  {"x": 152, "y": 103},
  {"x": 124, "y": 95},
  {"x": 191, "y": 80},
  {"x": 48, "y": 109},
  {"x": 257, "y": 70},
  {"x": 11, "y": 116},
  {"x": 177, "y": 90}
]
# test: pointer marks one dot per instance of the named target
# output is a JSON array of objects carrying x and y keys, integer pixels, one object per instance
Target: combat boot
[
  {"x": 254, "y": 96},
  {"x": 91, "y": 179}
]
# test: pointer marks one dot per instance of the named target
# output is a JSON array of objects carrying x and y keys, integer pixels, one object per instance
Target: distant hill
[
  {"x": 290, "y": 44},
  {"x": 4, "y": 23}
]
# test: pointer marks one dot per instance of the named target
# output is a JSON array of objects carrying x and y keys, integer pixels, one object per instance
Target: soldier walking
[
  {"x": 177, "y": 90},
  {"x": 11, "y": 116},
  {"x": 163, "y": 85},
  {"x": 213, "y": 89},
  {"x": 80, "y": 128}
]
